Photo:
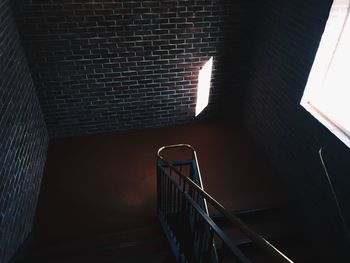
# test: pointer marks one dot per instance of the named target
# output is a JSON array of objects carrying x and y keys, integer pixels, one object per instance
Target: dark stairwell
[
  {"x": 98, "y": 196},
  {"x": 116, "y": 80}
]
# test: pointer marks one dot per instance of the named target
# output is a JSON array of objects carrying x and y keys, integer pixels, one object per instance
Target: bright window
[
  {"x": 203, "y": 89},
  {"x": 327, "y": 93}
]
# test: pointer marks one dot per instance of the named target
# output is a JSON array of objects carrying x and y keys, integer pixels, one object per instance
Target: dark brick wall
[
  {"x": 112, "y": 65},
  {"x": 288, "y": 36},
  {"x": 23, "y": 140}
]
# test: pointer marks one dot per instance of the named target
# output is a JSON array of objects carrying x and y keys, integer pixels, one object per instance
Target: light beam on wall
[{"x": 203, "y": 89}]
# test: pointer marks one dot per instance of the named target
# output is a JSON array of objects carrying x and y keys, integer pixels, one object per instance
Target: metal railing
[{"x": 183, "y": 213}]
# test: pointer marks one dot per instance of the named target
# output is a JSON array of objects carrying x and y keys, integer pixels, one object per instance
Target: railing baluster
[
  {"x": 179, "y": 198},
  {"x": 210, "y": 246},
  {"x": 161, "y": 189},
  {"x": 172, "y": 198},
  {"x": 201, "y": 237},
  {"x": 158, "y": 187},
  {"x": 164, "y": 193},
  {"x": 183, "y": 195},
  {"x": 168, "y": 194}
]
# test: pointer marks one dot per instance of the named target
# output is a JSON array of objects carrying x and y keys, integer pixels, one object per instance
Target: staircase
[
  {"x": 188, "y": 223},
  {"x": 149, "y": 244},
  {"x": 193, "y": 227},
  {"x": 276, "y": 224}
]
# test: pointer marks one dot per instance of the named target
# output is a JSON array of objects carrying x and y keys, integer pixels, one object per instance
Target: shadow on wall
[
  {"x": 287, "y": 38},
  {"x": 23, "y": 140},
  {"x": 236, "y": 55}
]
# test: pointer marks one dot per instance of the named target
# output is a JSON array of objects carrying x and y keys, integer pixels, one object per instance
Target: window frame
[{"x": 323, "y": 62}]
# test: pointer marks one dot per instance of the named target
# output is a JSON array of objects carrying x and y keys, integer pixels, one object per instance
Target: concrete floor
[{"x": 107, "y": 182}]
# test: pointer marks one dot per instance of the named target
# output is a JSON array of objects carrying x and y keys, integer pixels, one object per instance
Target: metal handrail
[
  {"x": 255, "y": 237},
  {"x": 183, "y": 145}
]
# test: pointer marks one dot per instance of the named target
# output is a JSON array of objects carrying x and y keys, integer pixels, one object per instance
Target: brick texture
[
  {"x": 288, "y": 36},
  {"x": 113, "y": 65},
  {"x": 23, "y": 140}
]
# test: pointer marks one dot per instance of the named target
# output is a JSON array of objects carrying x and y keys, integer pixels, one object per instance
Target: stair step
[
  {"x": 163, "y": 257},
  {"x": 128, "y": 245},
  {"x": 118, "y": 252},
  {"x": 255, "y": 215},
  {"x": 126, "y": 237},
  {"x": 279, "y": 224},
  {"x": 149, "y": 244},
  {"x": 274, "y": 221}
]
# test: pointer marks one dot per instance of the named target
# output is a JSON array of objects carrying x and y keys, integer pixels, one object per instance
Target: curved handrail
[
  {"x": 180, "y": 145},
  {"x": 183, "y": 145},
  {"x": 255, "y": 237}
]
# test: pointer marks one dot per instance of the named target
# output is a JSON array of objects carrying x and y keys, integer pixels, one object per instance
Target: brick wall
[
  {"x": 288, "y": 36},
  {"x": 112, "y": 65},
  {"x": 23, "y": 140}
]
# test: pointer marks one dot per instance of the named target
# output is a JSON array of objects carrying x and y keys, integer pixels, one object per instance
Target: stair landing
[{"x": 106, "y": 182}]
